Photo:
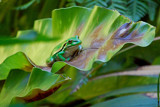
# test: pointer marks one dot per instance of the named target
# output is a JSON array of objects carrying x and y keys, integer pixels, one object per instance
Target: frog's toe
[{"x": 68, "y": 59}]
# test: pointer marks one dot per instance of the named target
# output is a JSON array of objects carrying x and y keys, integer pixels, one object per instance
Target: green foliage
[
  {"x": 105, "y": 84},
  {"x": 134, "y": 9},
  {"x": 152, "y": 6},
  {"x": 17, "y": 13},
  {"x": 26, "y": 86},
  {"x": 82, "y": 86},
  {"x": 137, "y": 9},
  {"x": 25, "y": 6},
  {"x": 14, "y": 14},
  {"x": 10, "y": 64},
  {"x": 84, "y": 26},
  {"x": 119, "y": 5},
  {"x": 131, "y": 100}
]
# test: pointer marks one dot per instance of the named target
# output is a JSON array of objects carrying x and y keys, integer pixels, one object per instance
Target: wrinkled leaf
[
  {"x": 128, "y": 59},
  {"x": 29, "y": 87},
  {"x": 16, "y": 61},
  {"x": 103, "y": 32}
]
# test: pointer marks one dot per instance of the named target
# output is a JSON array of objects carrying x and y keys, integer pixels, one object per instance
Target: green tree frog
[{"x": 69, "y": 50}]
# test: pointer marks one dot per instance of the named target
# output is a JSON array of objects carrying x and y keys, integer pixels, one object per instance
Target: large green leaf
[
  {"x": 16, "y": 61},
  {"x": 103, "y": 32},
  {"x": 29, "y": 87},
  {"x": 128, "y": 59}
]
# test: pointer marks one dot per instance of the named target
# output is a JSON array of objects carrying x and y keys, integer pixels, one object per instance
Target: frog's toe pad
[{"x": 68, "y": 59}]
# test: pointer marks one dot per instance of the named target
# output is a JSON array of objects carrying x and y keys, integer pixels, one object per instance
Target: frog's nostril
[{"x": 77, "y": 36}]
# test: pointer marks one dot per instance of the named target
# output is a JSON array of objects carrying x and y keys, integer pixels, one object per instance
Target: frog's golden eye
[{"x": 70, "y": 41}]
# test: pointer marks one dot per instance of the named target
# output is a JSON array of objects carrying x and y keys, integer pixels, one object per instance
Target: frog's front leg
[
  {"x": 68, "y": 59},
  {"x": 80, "y": 48},
  {"x": 60, "y": 56}
]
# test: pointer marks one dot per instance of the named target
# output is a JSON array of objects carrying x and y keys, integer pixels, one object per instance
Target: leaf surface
[
  {"x": 16, "y": 61},
  {"x": 142, "y": 100},
  {"x": 29, "y": 87},
  {"x": 103, "y": 33}
]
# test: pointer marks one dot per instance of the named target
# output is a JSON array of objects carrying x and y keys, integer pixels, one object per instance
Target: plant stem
[
  {"x": 130, "y": 47},
  {"x": 123, "y": 50}
]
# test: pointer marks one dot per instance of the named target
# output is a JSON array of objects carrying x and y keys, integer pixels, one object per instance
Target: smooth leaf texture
[
  {"x": 96, "y": 93},
  {"x": 110, "y": 85},
  {"x": 44, "y": 27},
  {"x": 142, "y": 100},
  {"x": 16, "y": 61},
  {"x": 29, "y": 87},
  {"x": 122, "y": 83}
]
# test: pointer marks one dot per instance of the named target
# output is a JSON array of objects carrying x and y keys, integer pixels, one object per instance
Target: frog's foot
[
  {"x": 68, "y": 59},
  {"x": 50, "y": 64}
]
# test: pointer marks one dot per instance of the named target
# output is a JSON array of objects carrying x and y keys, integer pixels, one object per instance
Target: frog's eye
[{"x": 70, "y": 41}]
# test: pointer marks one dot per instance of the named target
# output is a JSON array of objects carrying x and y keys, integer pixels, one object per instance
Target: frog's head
[{"x": 73, "y": 41}]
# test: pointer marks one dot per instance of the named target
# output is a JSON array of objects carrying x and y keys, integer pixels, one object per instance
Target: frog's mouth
[
  {"x": 75, "y": 42},
  {"x": 73, "y": 47}
]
